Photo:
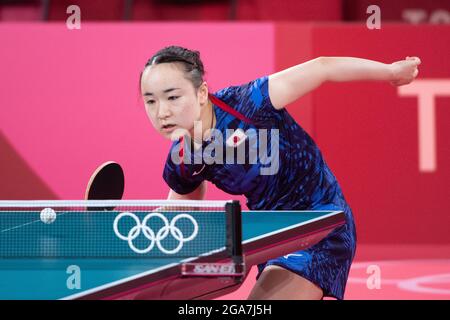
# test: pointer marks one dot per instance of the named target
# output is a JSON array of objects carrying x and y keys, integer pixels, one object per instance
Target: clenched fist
[{"x": 404, "y": 71}]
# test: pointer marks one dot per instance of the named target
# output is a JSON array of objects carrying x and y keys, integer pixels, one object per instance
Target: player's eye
[
  {"x": 150, "y": 101},
  {"x": 173, "y": 97}
]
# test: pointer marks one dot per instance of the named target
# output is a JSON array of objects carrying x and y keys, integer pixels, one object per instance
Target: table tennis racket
[{"x": 106, "y": 183}]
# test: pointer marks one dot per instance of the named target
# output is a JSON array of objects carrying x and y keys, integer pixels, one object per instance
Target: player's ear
[{"x": 202, "y": 94}]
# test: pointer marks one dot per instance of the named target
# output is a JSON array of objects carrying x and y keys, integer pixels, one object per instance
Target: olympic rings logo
[{"x": 150, "y": 234}]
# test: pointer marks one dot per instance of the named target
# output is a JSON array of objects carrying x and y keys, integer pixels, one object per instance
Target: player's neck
[
  {"x": 208, "y": 121},
  {"x": 211, "y": 116}
]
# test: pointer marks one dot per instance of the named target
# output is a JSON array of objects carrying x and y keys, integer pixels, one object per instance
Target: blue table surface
[{"x": 47, "y": 278}]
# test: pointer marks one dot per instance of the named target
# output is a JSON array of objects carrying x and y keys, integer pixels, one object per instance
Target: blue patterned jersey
[{"x": 296, "y": 177}]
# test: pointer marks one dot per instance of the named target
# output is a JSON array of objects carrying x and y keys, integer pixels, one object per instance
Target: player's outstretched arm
[
  {"x": 197, "y": 194},
  {"x": 290, "y": 84}
]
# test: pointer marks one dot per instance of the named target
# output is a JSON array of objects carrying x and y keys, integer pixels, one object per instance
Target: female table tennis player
[{"x": 176, "y": 96}]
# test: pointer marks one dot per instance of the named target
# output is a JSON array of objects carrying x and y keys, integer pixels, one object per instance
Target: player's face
[{"x": 171, "y": 101}]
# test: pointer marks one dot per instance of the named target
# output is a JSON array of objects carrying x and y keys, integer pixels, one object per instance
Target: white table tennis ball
[{"x": 48, "y": 215}]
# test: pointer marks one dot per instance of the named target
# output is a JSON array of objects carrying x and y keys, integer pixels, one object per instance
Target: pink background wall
[
  {"x": 69, "y": 101},
  {"x": 368, "y": 131}
]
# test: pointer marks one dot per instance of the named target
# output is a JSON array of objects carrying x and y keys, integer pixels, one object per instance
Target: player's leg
[
  {"x": 276, "y": 282},
  {"x": 312, "y": 273}
]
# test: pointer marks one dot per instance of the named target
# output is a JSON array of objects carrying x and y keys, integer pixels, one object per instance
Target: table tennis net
[{"x": 112, "y": 229}]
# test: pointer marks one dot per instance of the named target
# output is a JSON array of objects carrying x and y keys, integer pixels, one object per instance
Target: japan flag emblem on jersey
[{"x": 236, "y": 139}]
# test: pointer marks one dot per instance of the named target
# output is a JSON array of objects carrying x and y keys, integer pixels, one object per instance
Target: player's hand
[{"x": 404, "y": 71}]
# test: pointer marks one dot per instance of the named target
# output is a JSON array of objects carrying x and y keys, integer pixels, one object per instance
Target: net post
[{"x": 234, "y": 231}]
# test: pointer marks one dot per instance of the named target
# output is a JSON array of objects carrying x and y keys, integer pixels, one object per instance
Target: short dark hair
[{"x": 190, "y": 59}]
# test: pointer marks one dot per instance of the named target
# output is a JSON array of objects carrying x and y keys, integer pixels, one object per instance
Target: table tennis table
[{"x": 84, "y": 255}]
